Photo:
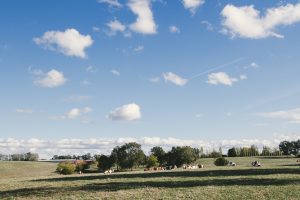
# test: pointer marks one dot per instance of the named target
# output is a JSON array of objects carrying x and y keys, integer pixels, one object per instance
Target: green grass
[{"x": 278, "y": 178}]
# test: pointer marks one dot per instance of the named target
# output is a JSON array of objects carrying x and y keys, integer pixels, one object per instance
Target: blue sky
[{"x": 190, "y": 69}]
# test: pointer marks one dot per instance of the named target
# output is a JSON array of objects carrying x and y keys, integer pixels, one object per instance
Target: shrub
[
  {"x": 221, "y": 162},
  {"x": 66, "y": 168}
]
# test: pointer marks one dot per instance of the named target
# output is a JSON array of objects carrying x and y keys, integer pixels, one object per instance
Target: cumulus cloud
[
  {"x": 48, "y": 148},
  {"x": 175, "y": 79},
  {"x": 111, "y": 3},
  {"x": 115, "y": 26},
  {"x": 247, "y": 22},
  {"x": 174, "y": 29},
  {"x": 221, "y": 78},
  {"x": 24, "y": 111},
  {"x": 192, "y": 5},
  {"x": 127, "y": 112},
  {"x": 144, "y": 23},
  {"x": 51, "y": 79},
  {"x": 69, "y": 42},
  {"x": 292, "y": 115}
]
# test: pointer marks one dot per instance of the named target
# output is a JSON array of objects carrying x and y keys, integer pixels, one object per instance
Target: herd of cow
[{"x": 172, "y": 167}]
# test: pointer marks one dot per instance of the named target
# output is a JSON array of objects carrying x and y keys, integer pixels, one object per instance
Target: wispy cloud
[
  {"x": 73, "y": 113},
  {"x": 115, "y": 72},
  {"x": 91, "y": 69},
  {"x": 77, "y": 98},
  {"x": 292, "y": 115},
  {"x": 174, "y": 78},
  {"x": 24, "y": 111},
  {"x": 174, "y": 29},
  {"x": 208, "y": 25},
  {"x": 138, "y": 49},
  {"x": 111, "y": 3}
]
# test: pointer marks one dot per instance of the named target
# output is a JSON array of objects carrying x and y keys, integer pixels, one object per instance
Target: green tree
[
  {"x": 266, "y": 151},
  {"x": 160, "y": 154},
  {"x": 152, "y": 161},
  {"x": 214, "y": 154},
  {"x": 128, "y": 155},
  {"x": 232, "y": 152},
  {"x": 181, "y": 155},
  {"x": 296, "y": 147},
  {"x": 286, "y": 147},
  {"x": 105, "y": 162}
]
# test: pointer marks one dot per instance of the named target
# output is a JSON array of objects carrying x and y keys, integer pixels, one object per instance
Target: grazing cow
[
  {"x": 108, "y": 171},
  {"x": 232, "y": 164},
  {"x": 256, "y": 164},
  {"x": 201, "y": 166}
]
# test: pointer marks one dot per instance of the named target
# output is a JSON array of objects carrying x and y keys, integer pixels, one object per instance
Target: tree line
[{"x": 20, "y": 157}]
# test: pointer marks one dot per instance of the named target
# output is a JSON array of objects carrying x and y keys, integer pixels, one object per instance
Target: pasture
[{"x": 278, "y": 178}]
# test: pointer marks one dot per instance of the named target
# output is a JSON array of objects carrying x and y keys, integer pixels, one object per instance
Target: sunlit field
[{"x": 278, "y": 178}]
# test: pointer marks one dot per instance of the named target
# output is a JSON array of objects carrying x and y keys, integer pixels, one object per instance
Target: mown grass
[{"x": 276, "y": 179}]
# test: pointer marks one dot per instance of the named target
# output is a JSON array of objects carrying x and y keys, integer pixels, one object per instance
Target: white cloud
[
  {"x": 48, "y": 148},
  {"x": 115, "y": 72},
  {"x": 76, "y": 112},
  {"x": 175, "y": 79},
  {"x": 220, "y": 78},
  {"x": 127, "y": 112},
  {"x": 77, "y": 98},
  {"x": 247, "y": 22},
  {"x": 139, "y": 48},
  {"x": 154, "y": 79},
  {"x": 115, "y": 26},
  {"x": 52, "y": 79},
  {"x": 73, "y": 113},
  {"x": 95, "y": 29},
  {"x": 208, "y": 25},
  {"x": 144, "y": 23},
  {"x": 24, "y": 111},
  {"x": 85, "y": 82},
  {"x": 70, "y": 42},
  {"x": 243, "y": 77},
  {"x": 192, "y": 5},
  {"x": 112, "y": 3},
  {"x": 91, "y": 69},
  {"x": 292, "y": 115},
  {"x": 174, "y": 29},
  {"x": 254, "y": 65}
]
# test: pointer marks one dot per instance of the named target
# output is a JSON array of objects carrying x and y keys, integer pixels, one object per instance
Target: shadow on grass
[
  {"x": 116, "y": 186},
  {"x": 206, "y": 173}
]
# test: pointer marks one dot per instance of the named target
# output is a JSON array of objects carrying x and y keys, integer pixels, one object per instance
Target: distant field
[{"x": 278, "y": 178}]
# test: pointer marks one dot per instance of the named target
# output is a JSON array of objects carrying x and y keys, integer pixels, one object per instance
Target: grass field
[{"x": 278, "y": 178}]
